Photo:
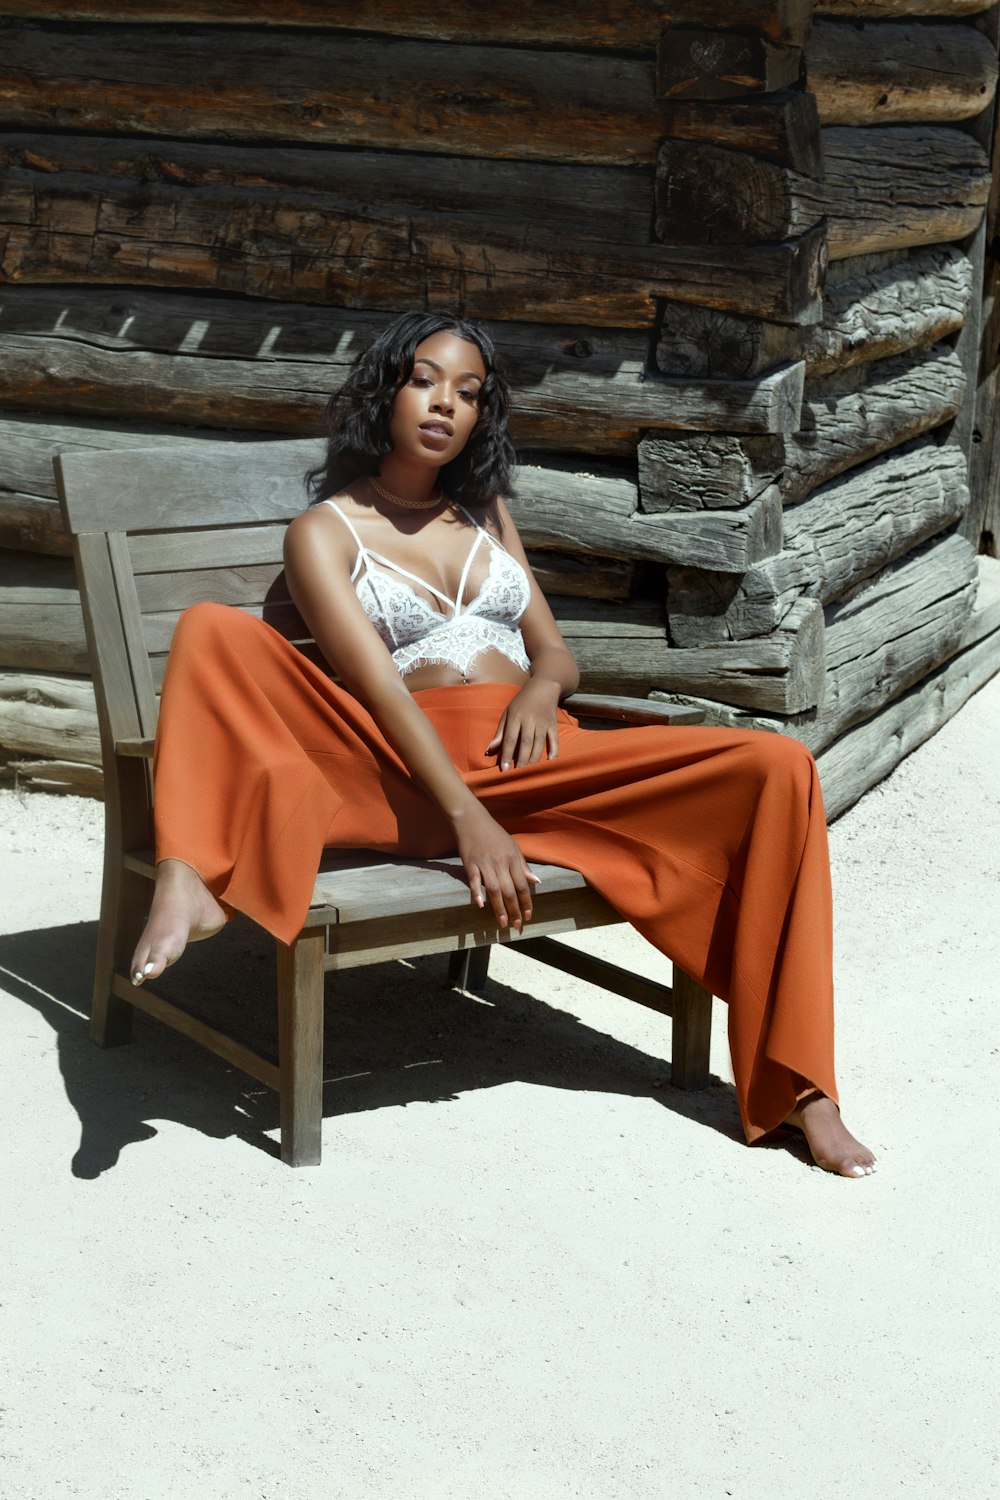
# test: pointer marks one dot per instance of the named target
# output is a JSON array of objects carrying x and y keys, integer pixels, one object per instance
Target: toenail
[
  {"x": 137, "y": 977},
  {"x": 147, "y": 970},
  {"x": 858, "y": 1171}
]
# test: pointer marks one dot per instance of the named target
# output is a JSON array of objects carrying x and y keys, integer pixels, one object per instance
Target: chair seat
[{"x": 363, "y": 887}]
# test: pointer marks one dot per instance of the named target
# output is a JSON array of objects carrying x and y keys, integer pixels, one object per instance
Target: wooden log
[
  {"x": 883, "y": 188},
  {"x": 341, "y": 90},
  {"x": 61, "y": 776},
  {"x": 871, "y": 10},
  {"x": 909, "y": 304},
  {"x": 500, "y": 240},
  {"x": 595, "y": 578},
  {"x": 894, "y": 632},
  {"x": 862, "y": 756},
  {"x": 783, "y": 127},
  {"x": 583, "y": 514},
  {"x": 616, "y": 24},
  {"x": 41, "y": 621},
  {"x": 30, "y": 520},
  {"x": 708, "y": 63},
  {"x": 696, "y": 472},
  {"x": 48, "y": 715},
  {"x": 208, "y": 361},
  {"x": 982, "y": 522},
  {"x": 890, "y": 187},
  {"x": 848, "y": 419},
  {"x": 783, "y": 673},
  {"x": 846, "y": 531},
  {"x": 701, "y": 343},
  {"x": 890, "y": 71}
]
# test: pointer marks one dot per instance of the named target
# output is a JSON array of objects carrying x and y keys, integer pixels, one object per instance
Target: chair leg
[
  {"x": 692, "y": 1032},
  {"x": 468, "y": 969},
  {"x": 124, "y": 901},
  {"x": 300, "y": 1048}
]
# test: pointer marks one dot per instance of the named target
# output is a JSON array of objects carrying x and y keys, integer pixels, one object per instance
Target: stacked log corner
[{"x": 728, "y": 253}]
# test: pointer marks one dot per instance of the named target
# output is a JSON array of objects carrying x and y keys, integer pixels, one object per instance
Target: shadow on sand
[{"x": 395, "y": 1035}]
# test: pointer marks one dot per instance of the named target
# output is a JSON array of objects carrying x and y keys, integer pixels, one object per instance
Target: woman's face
[{"x": 436, "y": 409}]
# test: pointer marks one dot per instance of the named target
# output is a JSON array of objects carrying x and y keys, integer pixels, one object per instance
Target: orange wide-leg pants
[{"x": 711, "y": 842}]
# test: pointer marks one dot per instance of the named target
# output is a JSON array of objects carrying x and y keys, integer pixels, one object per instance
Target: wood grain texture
[
  {"x": 621, "y": 24},
  {"x": 891, "y": 71},
  {"x": 846, "y": 531},
  {"x": 909, "y": 304},
  {"x": 522, "y": 241},
  {"x": 138, "y": 357},
  {"x": 374, "y": 92},
  {"x": 847, "y": 419},
  {"x": 889, "y": 187},
  {"x": 48, "y": 715},
  {"x": 864, "y": 10},
  {"x": 710, "y": 63},
  {"x": 701, "y": 343},
  {"x": 695, "y": 472},
  {"x": 41, "y": 622},
  {"x": 783, "y": 127}
]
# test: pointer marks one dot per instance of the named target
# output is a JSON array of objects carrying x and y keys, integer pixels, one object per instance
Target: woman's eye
[
  {"x": 472, "y": 396},
  {"x": 419, "y": 380}
]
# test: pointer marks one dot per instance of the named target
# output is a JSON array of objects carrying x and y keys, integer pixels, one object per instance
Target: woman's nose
[{"x": 443, "y": 401}]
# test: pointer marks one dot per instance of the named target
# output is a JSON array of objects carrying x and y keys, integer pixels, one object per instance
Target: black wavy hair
[{"x": 358, "y": 415}]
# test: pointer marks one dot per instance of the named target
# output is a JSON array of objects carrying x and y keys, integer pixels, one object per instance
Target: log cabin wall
[{"x": 732, "y": 253}]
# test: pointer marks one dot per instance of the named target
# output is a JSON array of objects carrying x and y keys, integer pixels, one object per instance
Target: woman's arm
[
  {"x": 528, "y": 726},
  {"x": 318, "y": 561}
]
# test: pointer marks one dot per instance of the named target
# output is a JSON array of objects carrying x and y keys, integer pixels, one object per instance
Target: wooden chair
[{"x": 155, "y": 531}]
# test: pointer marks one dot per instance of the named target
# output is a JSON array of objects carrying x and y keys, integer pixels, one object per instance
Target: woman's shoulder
[{"x": 323, "y": 524}]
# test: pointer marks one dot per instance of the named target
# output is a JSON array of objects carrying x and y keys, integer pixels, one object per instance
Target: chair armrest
[
  {"x": 631, "y": 710},
  {"x": 135, "y": 749}
]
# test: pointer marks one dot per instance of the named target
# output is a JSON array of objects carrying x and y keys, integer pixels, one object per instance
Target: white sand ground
[{"x": 527, "y": 1267}]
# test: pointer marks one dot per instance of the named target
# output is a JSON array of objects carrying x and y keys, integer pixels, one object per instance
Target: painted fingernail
[{"x": 505, "y": 766}]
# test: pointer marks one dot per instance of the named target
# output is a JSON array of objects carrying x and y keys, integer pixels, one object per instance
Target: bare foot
[
  {"x": 183, "y": 911},
  {"x": 832, "y": 1145}
]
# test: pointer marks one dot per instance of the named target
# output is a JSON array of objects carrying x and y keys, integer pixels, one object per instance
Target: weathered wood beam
[
  {"x": 844, "y": 532},
  {"x": 895, "y": 631},
  {"x": 41, "y": 622},
  {"x": 891, "y": 71},
  {"x": 850, "y": 418},
  {"x": 45, "y": 714},
  {"x": 695, "y": 472},
  {"x": 783, "y": 673},
  {"x": 709, "y": 63},
  {"x": 865, "y": 10},
  {"x": 783, "y": 128},
  {"x": 908, "y": 304},
  {"x": 886, "y": 188},
  {"x": 618, "y": 24},
  {"x": 339, "y": 90},
  {"x": 30, "y": 520},
  {"x": 28, "y": 772},
  {"x": 883, "y": 188},
  {"x": 590, "y": 578},
  {"x": 144, "y": 357},
  {"x": 580, "y": 514}
]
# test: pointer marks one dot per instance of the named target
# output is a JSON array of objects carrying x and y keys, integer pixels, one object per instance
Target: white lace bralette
[{"x": 419, "y": 635}]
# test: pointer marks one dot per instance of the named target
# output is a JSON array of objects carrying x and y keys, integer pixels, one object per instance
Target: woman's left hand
[{"x": 528, "y": 726}]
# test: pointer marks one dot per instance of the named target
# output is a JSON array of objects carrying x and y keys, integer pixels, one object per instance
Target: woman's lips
[{"x": 438, "y": 432}]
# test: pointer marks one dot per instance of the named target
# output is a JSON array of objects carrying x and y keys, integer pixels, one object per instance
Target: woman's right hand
[{"x": 495, "y": 868}]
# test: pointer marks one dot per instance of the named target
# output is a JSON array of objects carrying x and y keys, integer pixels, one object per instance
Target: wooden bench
[{"x": 155, "y": 531}]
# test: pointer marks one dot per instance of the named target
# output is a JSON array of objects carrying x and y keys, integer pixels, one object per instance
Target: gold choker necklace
[{"x": 393, "y": 499}]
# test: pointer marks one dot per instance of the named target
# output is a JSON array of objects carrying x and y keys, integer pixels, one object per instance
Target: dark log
[
  {"x": 713, "y": 195},
  {"x": 700, "y": 343},
  {"x": 883, "y": 189},
  {"x": 895, "y": 186},
  {"x": 909, "y": 304},
  {"x": 885, "y": 71},
  {"x": 899, "y": 628},
  {"x": 44, "y": 714},
  {"x": 339, "y": 90},
  {"x": 784, "y": 128},
  {"x": 849, "y": 419},
  {"x": 845, "y": 532},
  {"x": 41, "y": 622},
  {"x": 870, "y": 10},
  {"x": 783, "y": 673},
  {"x": 707, "y": 63},
  {"x": 595, "y": 578},
  {"x": 982, "y": 522},
  {"x": 147, "y": 356},
  {"x": 619, "y": 24},
  {"x": 516, "y": 240},
  {"x": 695, "y": 472}
]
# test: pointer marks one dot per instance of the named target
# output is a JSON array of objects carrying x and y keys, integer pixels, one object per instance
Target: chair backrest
[{"x": 155, "y": 530}]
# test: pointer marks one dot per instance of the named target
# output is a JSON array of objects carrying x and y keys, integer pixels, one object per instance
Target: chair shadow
[{"x": 396, "y": 1034}]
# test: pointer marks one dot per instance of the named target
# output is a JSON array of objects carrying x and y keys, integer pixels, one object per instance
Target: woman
[{"x": 447, "y": 735}]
